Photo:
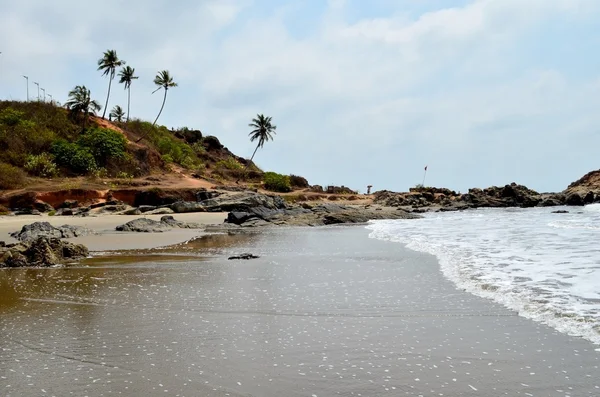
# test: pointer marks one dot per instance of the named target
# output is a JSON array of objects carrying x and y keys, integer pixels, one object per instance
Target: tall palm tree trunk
[
  {"x": 247, "y": 164},
  {"x": 252, "y": 158},
  {"x": 161, "y": 108},
  {"x": 128, "y": 102},
  {"x": 153, "y": 124},
  {"x": 108, "y": 95}
]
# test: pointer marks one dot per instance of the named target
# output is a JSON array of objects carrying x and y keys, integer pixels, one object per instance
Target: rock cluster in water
[{"x": 40, "y": 251}]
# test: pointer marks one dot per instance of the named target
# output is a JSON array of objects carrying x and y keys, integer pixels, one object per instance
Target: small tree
[
  {"x": 117, "y": 113},
  {"x": 80, "y": 102}
]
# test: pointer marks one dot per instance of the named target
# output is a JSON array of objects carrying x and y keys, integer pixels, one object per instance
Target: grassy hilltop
[{"x": 40, "y": 142}]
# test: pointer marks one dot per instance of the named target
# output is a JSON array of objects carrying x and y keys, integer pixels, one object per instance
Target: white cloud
[{"x": 355, "y": 103}]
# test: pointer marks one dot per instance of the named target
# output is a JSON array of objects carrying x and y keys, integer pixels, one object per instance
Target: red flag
[{"x": 425, "y": 168}]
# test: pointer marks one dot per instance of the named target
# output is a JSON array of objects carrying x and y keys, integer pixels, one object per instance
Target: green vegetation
[
  {"x": 81, "y": 104},
  {"x": 41, "y": 165},
  {"x": 104, "y": 145},
  {"x": 11, "y": 177},
  {"x": 108, "y": 64},
  {"x": 172, "y": 150},
  {"x": 277, "y": 182},
  {"x": 79, "y": 160},
  {"x": 127, "y": 75},
  {"x": 3, "y": 210}
]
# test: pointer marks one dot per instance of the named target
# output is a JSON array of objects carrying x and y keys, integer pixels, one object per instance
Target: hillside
[
  {"x": 590, "y": 182},
  {"x": 44, "y": 147}
]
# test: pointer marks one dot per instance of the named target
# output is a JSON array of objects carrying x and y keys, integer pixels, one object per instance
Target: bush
[
  {"x": 104, "y": 144},
  {"x": 74, "y": 157},
  {"x": 11, "y": 117},
  {"x": 11, "y": 177},
  {"x": 230, "y": 164},
  {"x": 277, "y": 183},
  {"x": 4, "y": 210},
  {"x": 41, "y": 165},
  {"x": 298, "y": 181}
]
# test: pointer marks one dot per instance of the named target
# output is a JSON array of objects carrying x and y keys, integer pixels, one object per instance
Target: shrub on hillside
[
  {"x": 11, "y": 117},
  {"x": 230, "y": 163},
  {"x": 11, "y": 177},
  {"x": 189, "y": 135},
  {"x": 277, "y": 183},
  {"x": 104, "y": 144},
  {"x": 73, "y": 157},
  {"x": 298, "y": 182},
  {"x": 41, "y": 165}
]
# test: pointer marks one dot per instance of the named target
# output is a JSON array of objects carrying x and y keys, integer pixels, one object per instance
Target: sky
[{"x": 483, "y": 92}]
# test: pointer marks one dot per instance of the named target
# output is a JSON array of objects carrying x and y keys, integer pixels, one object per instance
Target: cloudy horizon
[{"x": 483, "y": 92}]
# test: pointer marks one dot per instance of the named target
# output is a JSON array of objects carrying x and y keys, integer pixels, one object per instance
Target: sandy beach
[{"x": 108, "y": 239}]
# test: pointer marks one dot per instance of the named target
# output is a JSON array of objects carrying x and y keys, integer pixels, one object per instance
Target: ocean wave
[{"x": 539, "y": 267}]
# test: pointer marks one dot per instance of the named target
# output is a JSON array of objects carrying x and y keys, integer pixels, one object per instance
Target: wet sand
[
  {"x": 109, "y": 239},
  {"x": 323, "y": 312}
]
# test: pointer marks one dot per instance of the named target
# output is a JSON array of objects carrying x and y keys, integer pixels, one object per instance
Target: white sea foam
[{"x": 545, "y": 266}]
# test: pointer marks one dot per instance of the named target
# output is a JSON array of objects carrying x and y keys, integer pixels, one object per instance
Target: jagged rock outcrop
[
  {"x": 41, "y": 251},
  {"x": 145, "y": 225},
  {"x": 45, "y": 229},
  {"x": 243, "y": 201},
  {"x": 590, "y": 182},
  {"x": 313, "y": 215},
  {"x": 434, "y": 199}
]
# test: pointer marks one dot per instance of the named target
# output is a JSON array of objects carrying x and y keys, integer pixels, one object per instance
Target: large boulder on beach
[
  {"x": 145, "y": 225},
  {"x": 41, "y": 251},
  {"x": 45, "y": 229},
  {"x": 182, "y": 207},
  {"x": 243, "y": 201}
]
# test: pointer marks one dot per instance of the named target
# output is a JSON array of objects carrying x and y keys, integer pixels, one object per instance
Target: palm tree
[
  {"x": 117, "y": 113},
  {"x": 164, "y": 80},
  {"x": 263, "y": 131},
  {"x": 127, "y": 76},
  {"x": 80, "y": 101},
  {"x": 109, "y": 64}
]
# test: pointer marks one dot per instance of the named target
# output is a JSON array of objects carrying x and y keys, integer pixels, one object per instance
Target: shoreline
[{"x": 107, "y": 238}]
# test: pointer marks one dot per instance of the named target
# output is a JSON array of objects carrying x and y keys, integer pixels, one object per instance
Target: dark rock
[
  {"x": 147, "y": 208},
  {"x": 43, "y": 206},
  {"x": 45, "y": 229},
  {"x": 64, "y": 212},
  {"x": 183, "y": 207},
  {"x": 132, "y": 211},
  {"x": 589, "y": 198},
  {"x": 42, "y": 251},
  {"x": 211, "y": 143},
  {"x": 244, "y": 256},
  {"x": 161, "y": 211},
  {"x": 574, "y": 199},
  {"x": 35, "y": 230},
  {"x": 560, "y": 212},
  {"x": 69, "y": 204},
  {"x": 242, "y": 202},
  {"x": 143, "y": 225}
]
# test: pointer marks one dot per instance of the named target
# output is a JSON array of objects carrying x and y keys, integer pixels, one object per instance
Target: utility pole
[
  {"x": 38, "y": 86},
  {"x": 44, "y": 91},
  {"x": 27, "y": 78}
]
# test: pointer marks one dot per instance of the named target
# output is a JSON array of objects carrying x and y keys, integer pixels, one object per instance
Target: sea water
[{"x": 542, "y": 264}]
